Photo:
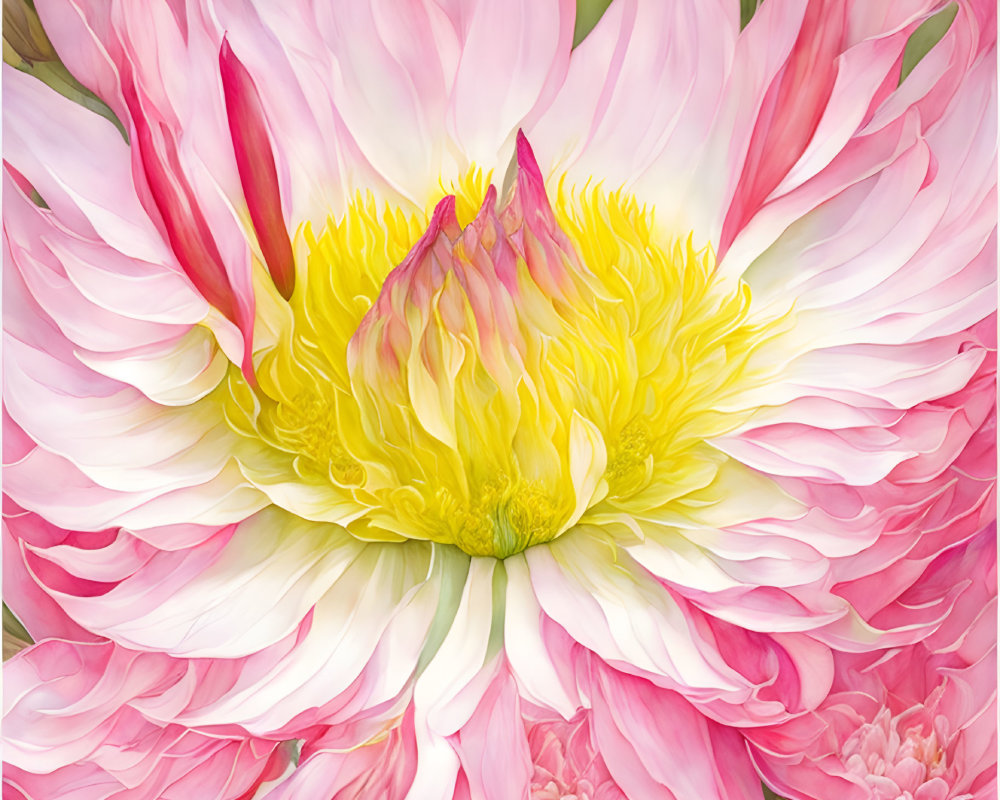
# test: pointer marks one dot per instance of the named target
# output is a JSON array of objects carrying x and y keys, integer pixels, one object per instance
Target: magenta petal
[{"x": 258, "y": 173}]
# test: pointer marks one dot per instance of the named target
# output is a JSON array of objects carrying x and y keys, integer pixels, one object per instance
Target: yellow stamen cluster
[{"x": 493, "y": 404}]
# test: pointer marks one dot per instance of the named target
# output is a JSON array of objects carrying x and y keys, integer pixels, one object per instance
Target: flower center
[{"x": 492, "y": 380}]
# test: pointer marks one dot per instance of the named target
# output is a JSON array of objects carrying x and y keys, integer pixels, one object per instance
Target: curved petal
[
  {"x": 656, "y": 745},
  {"x": 453, "y": 682},
  {"x": 613, "y": 606},
  {"x": 71, "y": 730},
  {"x": 599, "y": 127}
]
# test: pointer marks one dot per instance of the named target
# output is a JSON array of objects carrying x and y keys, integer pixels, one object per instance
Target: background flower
[{"x": 917, "y": 722}]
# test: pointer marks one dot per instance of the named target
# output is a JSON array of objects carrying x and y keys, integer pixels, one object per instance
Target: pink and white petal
[
  {"x": 243, "y": 589},
  {"x": 931, "y": 84},
  {"x": 790, "y": 673},
  {"x": 358, "y": 649},
  {"x": 513, "y": 60},
  {"x": 432, "y": 81},
  {"x": 325, "y": 637},
  {"x": 656, "y": 744},
  {"x": 977, "y": 560},
  {"x": 920, "y": 188},
  {"x": 177, "y": 373},
  {"x": 71, "y": 731},
  {"x": 706, "y": 560},
  {"x": 759, "y": 59},
  {"x": 120, "y": 302},
  {"x": 492, "y": 745},
  {"x": 41, "y": 616},
  {"x": 613, "y": 606},
  {"x": 539, "y": 652},
  {"x": 113, "y": 433},
  {"x": 380, "y": 65},
  {"x": 379, "y": 770},
  {"x": 864, "y": 70},
  {"x": 786, "y": 218},
  {"x": 599, "y": 126},
  {"x": 177, "y": 365},
  {"x": 46, "y": 483},
  {"x": 319, "y": 165},
  {"x": 874, "y": 395},
  {"x": 453, "y": 682},
  {"x": 79, "y": 163},
  {"x": 836, "y": 73},
  {"x": 912, "y": 450},
  {"x": 187, "y": 184},
  {"x": 64, "y": 697}
]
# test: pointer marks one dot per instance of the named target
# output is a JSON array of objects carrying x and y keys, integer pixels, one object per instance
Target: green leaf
[
  {"x": 925, "y": 37},
  {"x": 747, "y": 9},
  {"x": 15, "y": 637},
  {"x": 769, "y": 795},
  {"x": 588, "y": 14},
  {"x": 27, "y": 47},
  {"x": 55, "y": 75}
]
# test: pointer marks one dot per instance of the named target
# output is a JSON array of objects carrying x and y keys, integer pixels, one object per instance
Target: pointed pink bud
[{"x": 258, "y": 174}]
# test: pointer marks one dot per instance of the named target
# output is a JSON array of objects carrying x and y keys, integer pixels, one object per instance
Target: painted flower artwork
[{"x": 499, "y": 400}]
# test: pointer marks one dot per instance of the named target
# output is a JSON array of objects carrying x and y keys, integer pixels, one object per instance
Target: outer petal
[
  {"x": 380, "y": 770},
  {"x": 657, "y": 745},
  {"x": 629, "y": 617},
  {"x": 882, "y": 417},
  {"x": 71, "y": 730},
  {"x": 40, "y": 614},
  {"x": 599, "y": 126},
  {"x": 94, "y": 289},
  {"x": 366, "y": 59},
  {"x": 187, "y": 183},
  {"x": 452, "y": 685},
  {"x": 821, "y": 96},
  {"x": 331, "y": 629}
]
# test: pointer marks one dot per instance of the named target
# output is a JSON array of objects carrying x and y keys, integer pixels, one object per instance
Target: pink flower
[
  {"x": 401, "y": 340},
  {"x": 912, "y": 724},
  {"x": 940, "y": 746}
]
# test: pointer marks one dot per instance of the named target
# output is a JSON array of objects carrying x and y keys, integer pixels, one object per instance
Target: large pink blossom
[{"x": 401, "y": 340}]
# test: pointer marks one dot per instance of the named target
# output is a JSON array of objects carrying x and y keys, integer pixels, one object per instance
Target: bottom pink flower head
[
  {"x": 917, "y": 723},
  {"x": 902, "y": 756},
  {"x": 566, "y": 764}
]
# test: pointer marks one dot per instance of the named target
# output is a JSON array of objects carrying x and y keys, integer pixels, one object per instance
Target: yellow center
[{"x": 517, "y": 379}]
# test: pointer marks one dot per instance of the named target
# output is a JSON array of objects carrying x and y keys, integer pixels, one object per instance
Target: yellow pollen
[
  {"x": 505, "y": 518},
  {"x": 630, "y": 459}
]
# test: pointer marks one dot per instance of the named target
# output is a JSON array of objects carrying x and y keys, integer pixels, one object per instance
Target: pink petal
[
  {"x": 656, "y": 745},
  {"x": 258, "y": 174},
  {"x": 598, "y": 125}
]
